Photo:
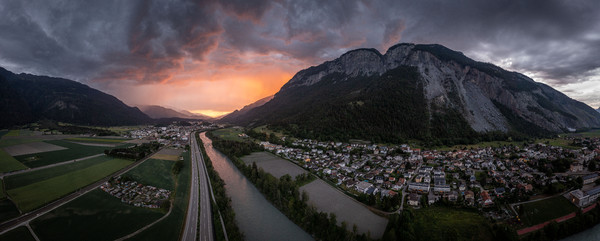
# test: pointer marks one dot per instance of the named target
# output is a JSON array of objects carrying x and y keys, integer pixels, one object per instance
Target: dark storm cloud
[{"x": 149, "y": 41}]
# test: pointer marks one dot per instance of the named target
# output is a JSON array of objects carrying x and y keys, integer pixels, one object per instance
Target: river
[
  {"x": 591, "y": 234},
  {"x": 256, "y": 217}
]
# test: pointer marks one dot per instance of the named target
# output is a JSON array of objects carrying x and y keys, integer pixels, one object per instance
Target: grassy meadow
[{"x": 37, "y": 194}]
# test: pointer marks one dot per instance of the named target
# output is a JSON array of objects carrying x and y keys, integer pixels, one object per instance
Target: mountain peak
[{"x": 430, "y": 89}]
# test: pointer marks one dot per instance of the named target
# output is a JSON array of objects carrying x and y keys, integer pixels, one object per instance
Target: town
[{"x": 476, "y": 177}]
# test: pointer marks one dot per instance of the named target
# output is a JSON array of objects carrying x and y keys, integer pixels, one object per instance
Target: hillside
[
  {"x": 28, "y": 98},
  {"x": 158, "y": 112},
  {"x": 425, "y": 92},
  {"x": 237, "y": 114}
]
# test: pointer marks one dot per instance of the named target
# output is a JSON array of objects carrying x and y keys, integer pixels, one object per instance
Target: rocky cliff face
[{"x": 488, "y": 97}]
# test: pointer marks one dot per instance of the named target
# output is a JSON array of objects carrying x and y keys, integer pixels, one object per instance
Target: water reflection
[{"x": 256, "y": 217}]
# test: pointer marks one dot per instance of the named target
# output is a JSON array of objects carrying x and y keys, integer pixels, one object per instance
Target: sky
[{"x": 214, "y": 57}]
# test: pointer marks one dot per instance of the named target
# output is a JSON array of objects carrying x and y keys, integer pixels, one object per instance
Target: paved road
[
  {"x": 199, "y": 198},
  {"x": 48, "y": 166},
  {"x": 26, "y": 218}
]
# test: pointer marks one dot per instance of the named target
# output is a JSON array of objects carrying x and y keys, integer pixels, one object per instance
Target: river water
[
  {"x": 256, "y": 217},
  {"x": 592, "y": 234}
]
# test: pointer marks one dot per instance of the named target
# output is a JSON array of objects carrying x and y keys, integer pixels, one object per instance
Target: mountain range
[
  {"x": 416, "y": 91},
  {"x": 26, "y": 98},
  {"x": 159, "y": 112}
]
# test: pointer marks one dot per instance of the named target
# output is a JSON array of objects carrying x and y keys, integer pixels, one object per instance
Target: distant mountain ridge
[
  {"x": 158, "y": 112},
  {"x": 416, "y": 91},
  {"x": 233, "y": 116},
  {"x": 26, "y": 98}
]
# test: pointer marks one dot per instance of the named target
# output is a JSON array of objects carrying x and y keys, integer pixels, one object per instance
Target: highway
[
  {"x": 27, "y": 217},
  {"x": 199, "y": 198}
]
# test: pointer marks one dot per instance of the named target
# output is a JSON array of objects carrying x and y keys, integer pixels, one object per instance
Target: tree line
[{"x": 136, "y": 152}]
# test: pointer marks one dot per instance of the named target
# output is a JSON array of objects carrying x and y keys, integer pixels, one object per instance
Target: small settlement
[{"x": 136, "y": 194}]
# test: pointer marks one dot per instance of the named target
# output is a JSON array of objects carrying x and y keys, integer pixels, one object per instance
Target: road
[
  {"x": 199, "y": 198},
  {"x": 26, "y": 218}
]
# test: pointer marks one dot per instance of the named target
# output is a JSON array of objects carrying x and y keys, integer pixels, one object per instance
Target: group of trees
[
  {"x": 223, "y": 202},
  {"x": 284, "y": 194},
  {"x": 136, "y": 152}
]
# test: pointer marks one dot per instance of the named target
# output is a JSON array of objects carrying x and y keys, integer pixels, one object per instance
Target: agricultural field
[
  {"x": 231, "y": 134},
  {"x": 73, "y": 151},
  {"x": 264, "y": 129},
  {"x": 96, "y": 216},
  {"x": 170, "y": 228},
  {"x": 8, "y": 210},
  {"x": 9, "y": 163},
  {"x": 442, "y": 223},
  {"x": 328, "y": 199},
  {"x": 17, "y": 234},
  {"x": 7, "y": 141},
  {"x": 154, "y": 172},
  {"x": 541, "y": 211},
  {"x": 168, "y": 154},
  {"x": 24, "y": 179},
  {"x": 275, "y": 165},
  {"x": 97, "y": 140},
  {"x": 32, "y": 148},
  {"x": 35, "y": 195}
]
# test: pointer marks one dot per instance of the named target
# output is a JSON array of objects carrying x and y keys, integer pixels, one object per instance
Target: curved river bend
[{"x": 256, "y": 217}]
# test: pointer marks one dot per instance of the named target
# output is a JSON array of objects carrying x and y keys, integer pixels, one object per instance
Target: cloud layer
[{"x": 193, "y": 54}]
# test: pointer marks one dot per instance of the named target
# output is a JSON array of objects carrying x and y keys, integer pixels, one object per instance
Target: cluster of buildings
[
  {"x": 136, "y": 194},
  {"x": 176, "y": 134},
  {"x": 476, "y": 176}
]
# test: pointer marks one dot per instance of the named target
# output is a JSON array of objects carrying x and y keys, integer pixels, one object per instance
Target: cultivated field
[
  {"x": 231, "y": 134},
  {"x": 155, "y": 173},
  {"x": 168, "y": 154},
  {"x": 24, "y": 179},
  {"x": 35, "y": 195},
  {"x": 9, "y": 163},
  {"x": 169, "y": 228},
  {"x": 328, "y": 199},
  {"x": 442, "y": 223},
  {"x": 94, "y": 216},
  {"x": 74, "y": 151},
  {"x": 8, "y": 210},
  {"x": 98, "y": 140},
  {"x": 17, "y": 234},
  {"x": 273, "y": 164},
  {"x": 541, "y": 211},
  {"x": 31, "y": 148},
  {"x": 96, "y": 144}
]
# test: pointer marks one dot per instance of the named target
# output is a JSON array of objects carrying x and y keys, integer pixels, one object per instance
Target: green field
[
  {"x": 442, "y": 223},
  {"x": 96, "y": 140},
  {"x": 545, "y": 210},
  {"x": 264, "y": 129},
  {"x": 74, "y": 151},
  {"x": 28, "y": 178},
  {"x": 35, "y": 195},
  {"x": 94, "y": 216},
  {"x": 17, "y": 234},
  {"x": 591, "y": 133},
  {"x": 9, "y": 163},
  {"x": 229, "y": 134},
  {"x": 3, "y": 132},
  {"x": 558, "y": 142},
  {"x": 155, "y": 173},
  {"x": 13, "y": 133},
  {"x": 2, "y": 193},
  {"x": 170, "y": 228},
  {"x": 8, "y": 210}
]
